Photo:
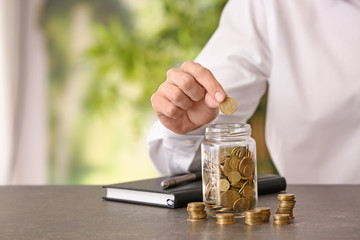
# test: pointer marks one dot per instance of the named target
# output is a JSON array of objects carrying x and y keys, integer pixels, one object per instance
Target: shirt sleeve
[{"x": 239, "y": 57}]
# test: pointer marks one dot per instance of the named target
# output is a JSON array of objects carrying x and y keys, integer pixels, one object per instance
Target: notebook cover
[
  {"x": 183, "y": 194},
  {"x": 270, "y": 183},
  {"x": 191, "y": 192}
]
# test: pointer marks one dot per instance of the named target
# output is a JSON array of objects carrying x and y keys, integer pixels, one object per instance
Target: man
[{"x": 308, "y": 53}]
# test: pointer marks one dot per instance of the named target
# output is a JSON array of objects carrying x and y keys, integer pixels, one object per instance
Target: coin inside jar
[
  {"x": 229, "y": 169},
  {"x": 241, "y": 205},
  {"x": 229, "y": 197},
  {"x": 224, "y": 185}
]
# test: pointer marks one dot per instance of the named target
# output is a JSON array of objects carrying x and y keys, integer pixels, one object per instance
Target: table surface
[{"x": 78, "y": 212}]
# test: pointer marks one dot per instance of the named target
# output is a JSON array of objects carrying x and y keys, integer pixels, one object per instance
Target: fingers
[
  {"x": 175, "y": 95},
  {"x": 206, "y": 79},
  {"x": 180, "y": 127},
  {"x": 164, "y": 107},
  {"x": 186, "y": 83},
  {"x": 190, "y": 94}
]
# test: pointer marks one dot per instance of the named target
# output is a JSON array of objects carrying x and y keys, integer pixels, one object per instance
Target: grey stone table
[{"x": 78, "y": 212}]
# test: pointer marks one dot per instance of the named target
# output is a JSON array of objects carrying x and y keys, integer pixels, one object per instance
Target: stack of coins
[
  {"x": 265, "y": 213},
  {"x": 253, "y": 217},
  {"x": 225, "y": 218},
  {"x": 286, "y": 204},
  {"x": 281, "y": 219},
  {"x": 196, "y": 211}
]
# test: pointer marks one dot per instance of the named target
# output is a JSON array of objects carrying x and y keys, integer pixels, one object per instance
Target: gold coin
[
  {"x": 277, "y": 222},
  {"x": 196, "y": 211},
  {"x": 227, "y": 167},
  {"x": 286, "y": 196},
  {"x": 284, "y": 209},
  {"x": 195, "y": 206},
  {"x": 223, "y": 156},
  {"x": 252, "y": 213},
  {"x": 240, "y": 152},
  {"x": 241, "y": 205},
  {"x": 237, "y": 185},
  {"x": 243, "y": 163},
  {"x": 249, "y": 153},
  {"x": 265, "y": 213},
  {"x": 243, "y": 186},
  {"x": 197, "y": 215},
  {"x": 225, "y": 215},
  {"x": 228, "y": 106},
  {"x": 225, "y": 218},
  {"x": 246, "y": 167},
  {"x": 248, "y": 171},
  {"x": 248, "y": 192},
  {"x": 234, "y": 176},
  {"x": 253, "y": 217},
  {"x": 224, "y": 185},
  {"x": 252, "y": 202},
  {"x": 234, "y": 163},
  {"x": 280, "y": 216},
  {"x": 229, "y": 197},
  {"x": 287, "y": 203},
  {"x": 196, "y": 220}
]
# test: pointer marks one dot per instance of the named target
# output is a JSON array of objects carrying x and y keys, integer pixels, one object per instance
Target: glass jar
[{"x": 228, "y": 155}]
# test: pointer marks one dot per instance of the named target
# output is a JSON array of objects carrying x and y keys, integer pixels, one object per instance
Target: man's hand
[{"x": 188, "y": 99}]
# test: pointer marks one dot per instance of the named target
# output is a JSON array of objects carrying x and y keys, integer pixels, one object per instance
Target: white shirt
[{"x": 308, "y": 51}]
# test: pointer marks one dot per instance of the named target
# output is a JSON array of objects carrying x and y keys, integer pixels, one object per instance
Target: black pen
[{"x": 175, "y": 181}]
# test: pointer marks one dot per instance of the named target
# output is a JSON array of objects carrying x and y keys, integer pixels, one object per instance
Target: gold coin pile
[
  {"x": 286, "y": 204},
  {"x": 281, "y": 219},
  {"x": 253, "y": 217},
  {"x": 257, "y": 216},
  {"x": 196, "y": 211},
  {"x": 229, "y": 180},
  {"x": 225, "y": 218},
  {"x": 228, "y": 106},
  {"x": 265, "y": 213}
]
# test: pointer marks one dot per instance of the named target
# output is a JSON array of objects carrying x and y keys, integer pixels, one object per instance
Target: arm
[{"x": 238, "y": 58}]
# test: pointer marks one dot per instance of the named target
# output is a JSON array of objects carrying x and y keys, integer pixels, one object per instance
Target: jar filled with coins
[{"x": 229, "y": 169}]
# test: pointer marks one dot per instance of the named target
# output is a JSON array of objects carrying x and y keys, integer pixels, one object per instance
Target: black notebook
[{"x": 150, "y": 192}]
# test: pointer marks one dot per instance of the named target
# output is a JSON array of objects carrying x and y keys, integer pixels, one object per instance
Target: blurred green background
[{"x": 106, "y": 59}]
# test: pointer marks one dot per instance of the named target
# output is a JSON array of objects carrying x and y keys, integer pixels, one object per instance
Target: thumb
[
  {"x": 210, "y": 101},
  {"x": 205, "y": 77}
]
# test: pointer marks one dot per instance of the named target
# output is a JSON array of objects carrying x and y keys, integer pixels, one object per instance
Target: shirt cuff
[{"x": 184, "y": 146}]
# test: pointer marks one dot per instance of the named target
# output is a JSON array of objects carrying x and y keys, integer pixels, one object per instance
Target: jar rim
[{"x": 228, "y": 128}]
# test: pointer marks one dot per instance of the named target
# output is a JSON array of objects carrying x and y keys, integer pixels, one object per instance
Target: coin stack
[
  {"x": 281, "y": 219},
  {"x": 286, "y": 204},
  {"x": 230, "y": 184},
  {"x": 253, "y": 217},
  {"x": 225, "y": 218},
  {"x": 265, "y": 213},
  {"x": 196, "y": 211}
]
